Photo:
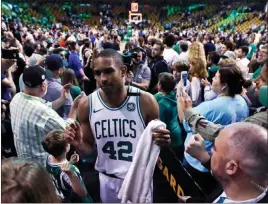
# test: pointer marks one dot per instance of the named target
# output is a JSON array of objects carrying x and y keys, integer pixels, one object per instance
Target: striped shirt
[{"x": 32, "y": 119}]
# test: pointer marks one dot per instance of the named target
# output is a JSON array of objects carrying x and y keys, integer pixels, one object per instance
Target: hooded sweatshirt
[{"x": 169, "y": 115}]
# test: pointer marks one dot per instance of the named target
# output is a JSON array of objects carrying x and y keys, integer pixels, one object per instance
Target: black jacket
[{"x": 159, "y": 65}]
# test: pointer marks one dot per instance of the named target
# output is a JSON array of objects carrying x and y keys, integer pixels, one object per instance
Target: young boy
[{"x": 65, "y": 175}]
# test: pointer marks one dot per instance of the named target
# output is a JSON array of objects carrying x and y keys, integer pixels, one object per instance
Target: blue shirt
[
  {"x": 53, "y": 93},
  {"x": 5, "y": 91},
  {"x": 222, "y": 110},
  {"x": 75, "y": 64}
]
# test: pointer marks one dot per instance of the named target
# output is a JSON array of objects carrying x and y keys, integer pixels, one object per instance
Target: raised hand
[
  {"x": 73, "y": 134},
  {"x": 196, "y": 148}
]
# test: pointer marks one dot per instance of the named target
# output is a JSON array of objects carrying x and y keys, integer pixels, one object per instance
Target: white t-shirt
[
  {"x": 243, "y": 65},
  {"x": 196, "y": 91},
  {"x": 171, "y": 56},
  {"x": 223, "y": 198},
  {"x": 183, "y": 56}
]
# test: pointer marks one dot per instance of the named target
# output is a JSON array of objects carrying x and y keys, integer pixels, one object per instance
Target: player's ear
[{"x": 124, "y": 70}]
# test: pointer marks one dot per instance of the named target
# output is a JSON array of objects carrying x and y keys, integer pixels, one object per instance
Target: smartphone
[
  {"x": 184, "y": 77},
  {"x": 10, "y": 54}
]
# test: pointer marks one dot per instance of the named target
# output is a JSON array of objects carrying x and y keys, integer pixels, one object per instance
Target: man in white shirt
[
  {"x": 170, "y": 55},
  {"x": 184, "y": 51},
  {"x": 243, "y": 61}
]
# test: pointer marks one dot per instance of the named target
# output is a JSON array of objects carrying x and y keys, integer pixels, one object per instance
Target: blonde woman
[{"x": 198, "y": 71}]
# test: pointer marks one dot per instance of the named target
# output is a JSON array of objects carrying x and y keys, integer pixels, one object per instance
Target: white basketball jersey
[{"x": 116, "y": 131}]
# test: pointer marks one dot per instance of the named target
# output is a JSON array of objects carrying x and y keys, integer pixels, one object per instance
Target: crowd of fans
[{"x": 211, "y": 89}]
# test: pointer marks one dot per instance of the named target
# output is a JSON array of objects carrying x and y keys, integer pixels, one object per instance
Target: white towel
[{"x": 137, "y": 182}]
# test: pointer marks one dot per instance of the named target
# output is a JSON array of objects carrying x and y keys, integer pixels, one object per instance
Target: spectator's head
[
  {"x": 129, "y": 46},
  {"x": 239, "y": 156},
  {"x": 151, "y": 41},
  {"x": 26, "y": 182},
  {"x": 54, "y": 64},
  {"x": 229, "y": 79},
  {"x": 169, "y": 40},
  {"x": 158, "y": 49},
  {"x": 141, "y": 41},
  {"x": 184, "y": 46},
  {"x": 166, "y": 82},
  {"x": 110, "y": 71},
  {"x": 262, "y": 80},
  {"x": 226, "y": 46},
  {"x": 253, "y": 66},
  {"x": 68, "y": 76},
  {"x": 87, "y": 44},
  {"x": 251, "y": 39},
  {"x": 35, "y": 82},
  {"x": 263, "y": 54},
  {"x": 55, "y": 144},
  {"x": 213, "y": 58},
  {"x": 179, "y": 67},
  {"x": 28, "y": 49},
  {"x": 72, "y": 45},
  {"x": 217, "y": 40},
  {"x": 196, "y": 50},
  {"x": 242, "y": 52},
  {"x": 198, "y": 68}
]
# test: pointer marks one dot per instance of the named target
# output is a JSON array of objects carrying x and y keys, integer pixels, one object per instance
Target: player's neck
[{"x": 115, "y": 99}]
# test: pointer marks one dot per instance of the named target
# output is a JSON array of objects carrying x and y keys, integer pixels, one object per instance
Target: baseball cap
[
  {"x": 34, "y": 76},
  {"x": 53, "y": 62},
  {"x": 230, "y": 55}
]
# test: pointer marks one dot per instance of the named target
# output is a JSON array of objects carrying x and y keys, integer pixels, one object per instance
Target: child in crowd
[
  {"x": 65, "y": 175},
  {"x": 68, "y": 76}
]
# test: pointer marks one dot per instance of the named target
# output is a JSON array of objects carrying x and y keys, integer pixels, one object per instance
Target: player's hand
[
  {"x": 161, "y": 137},
  {"x": 66, "y": 168},
  {"x": 196, "y": 148},
  {"x": 74, "y": 158},
  {"x": 73, "y": 134}
]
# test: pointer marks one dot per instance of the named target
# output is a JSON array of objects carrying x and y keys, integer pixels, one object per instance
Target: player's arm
[
  {"x": 149, "y": 107},
  {"x": 150, "y": 111},
  {"x": 83, "y": 117},
  {"x": 80, "y": 135}
]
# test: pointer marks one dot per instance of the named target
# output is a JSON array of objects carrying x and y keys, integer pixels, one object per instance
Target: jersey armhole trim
[
  {"x": 139, "y": 109},
  {"x": 90, "y": 106}
]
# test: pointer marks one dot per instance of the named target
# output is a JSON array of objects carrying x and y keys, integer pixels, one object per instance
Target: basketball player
[{"x": 114, "y": 118}]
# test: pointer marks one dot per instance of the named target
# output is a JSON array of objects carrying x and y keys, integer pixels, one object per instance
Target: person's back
[
  {"x": 33, "y": 122},
  {"x": 171, "y": 56},
  {"x": 223, "y": 111},
  {"x": 62, "y": 182},
  {"x": 54, "y": 66},
  {"x": 167, "y": 102},
  {"x": 66, "y": 177},
  {"x": 168, "y": 114}
]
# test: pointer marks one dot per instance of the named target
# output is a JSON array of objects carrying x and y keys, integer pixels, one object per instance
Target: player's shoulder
[{"x": 147, "y": 98}]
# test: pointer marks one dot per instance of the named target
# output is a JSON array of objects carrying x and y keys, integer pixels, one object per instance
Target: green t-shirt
[
  {"x": 75, "y": 91},
  {"x": 177, "y": 48},
  {"x": 63, "y": 185},
  {"x": 252, "y": 49},
  {"x": 257, "y": 73}
]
